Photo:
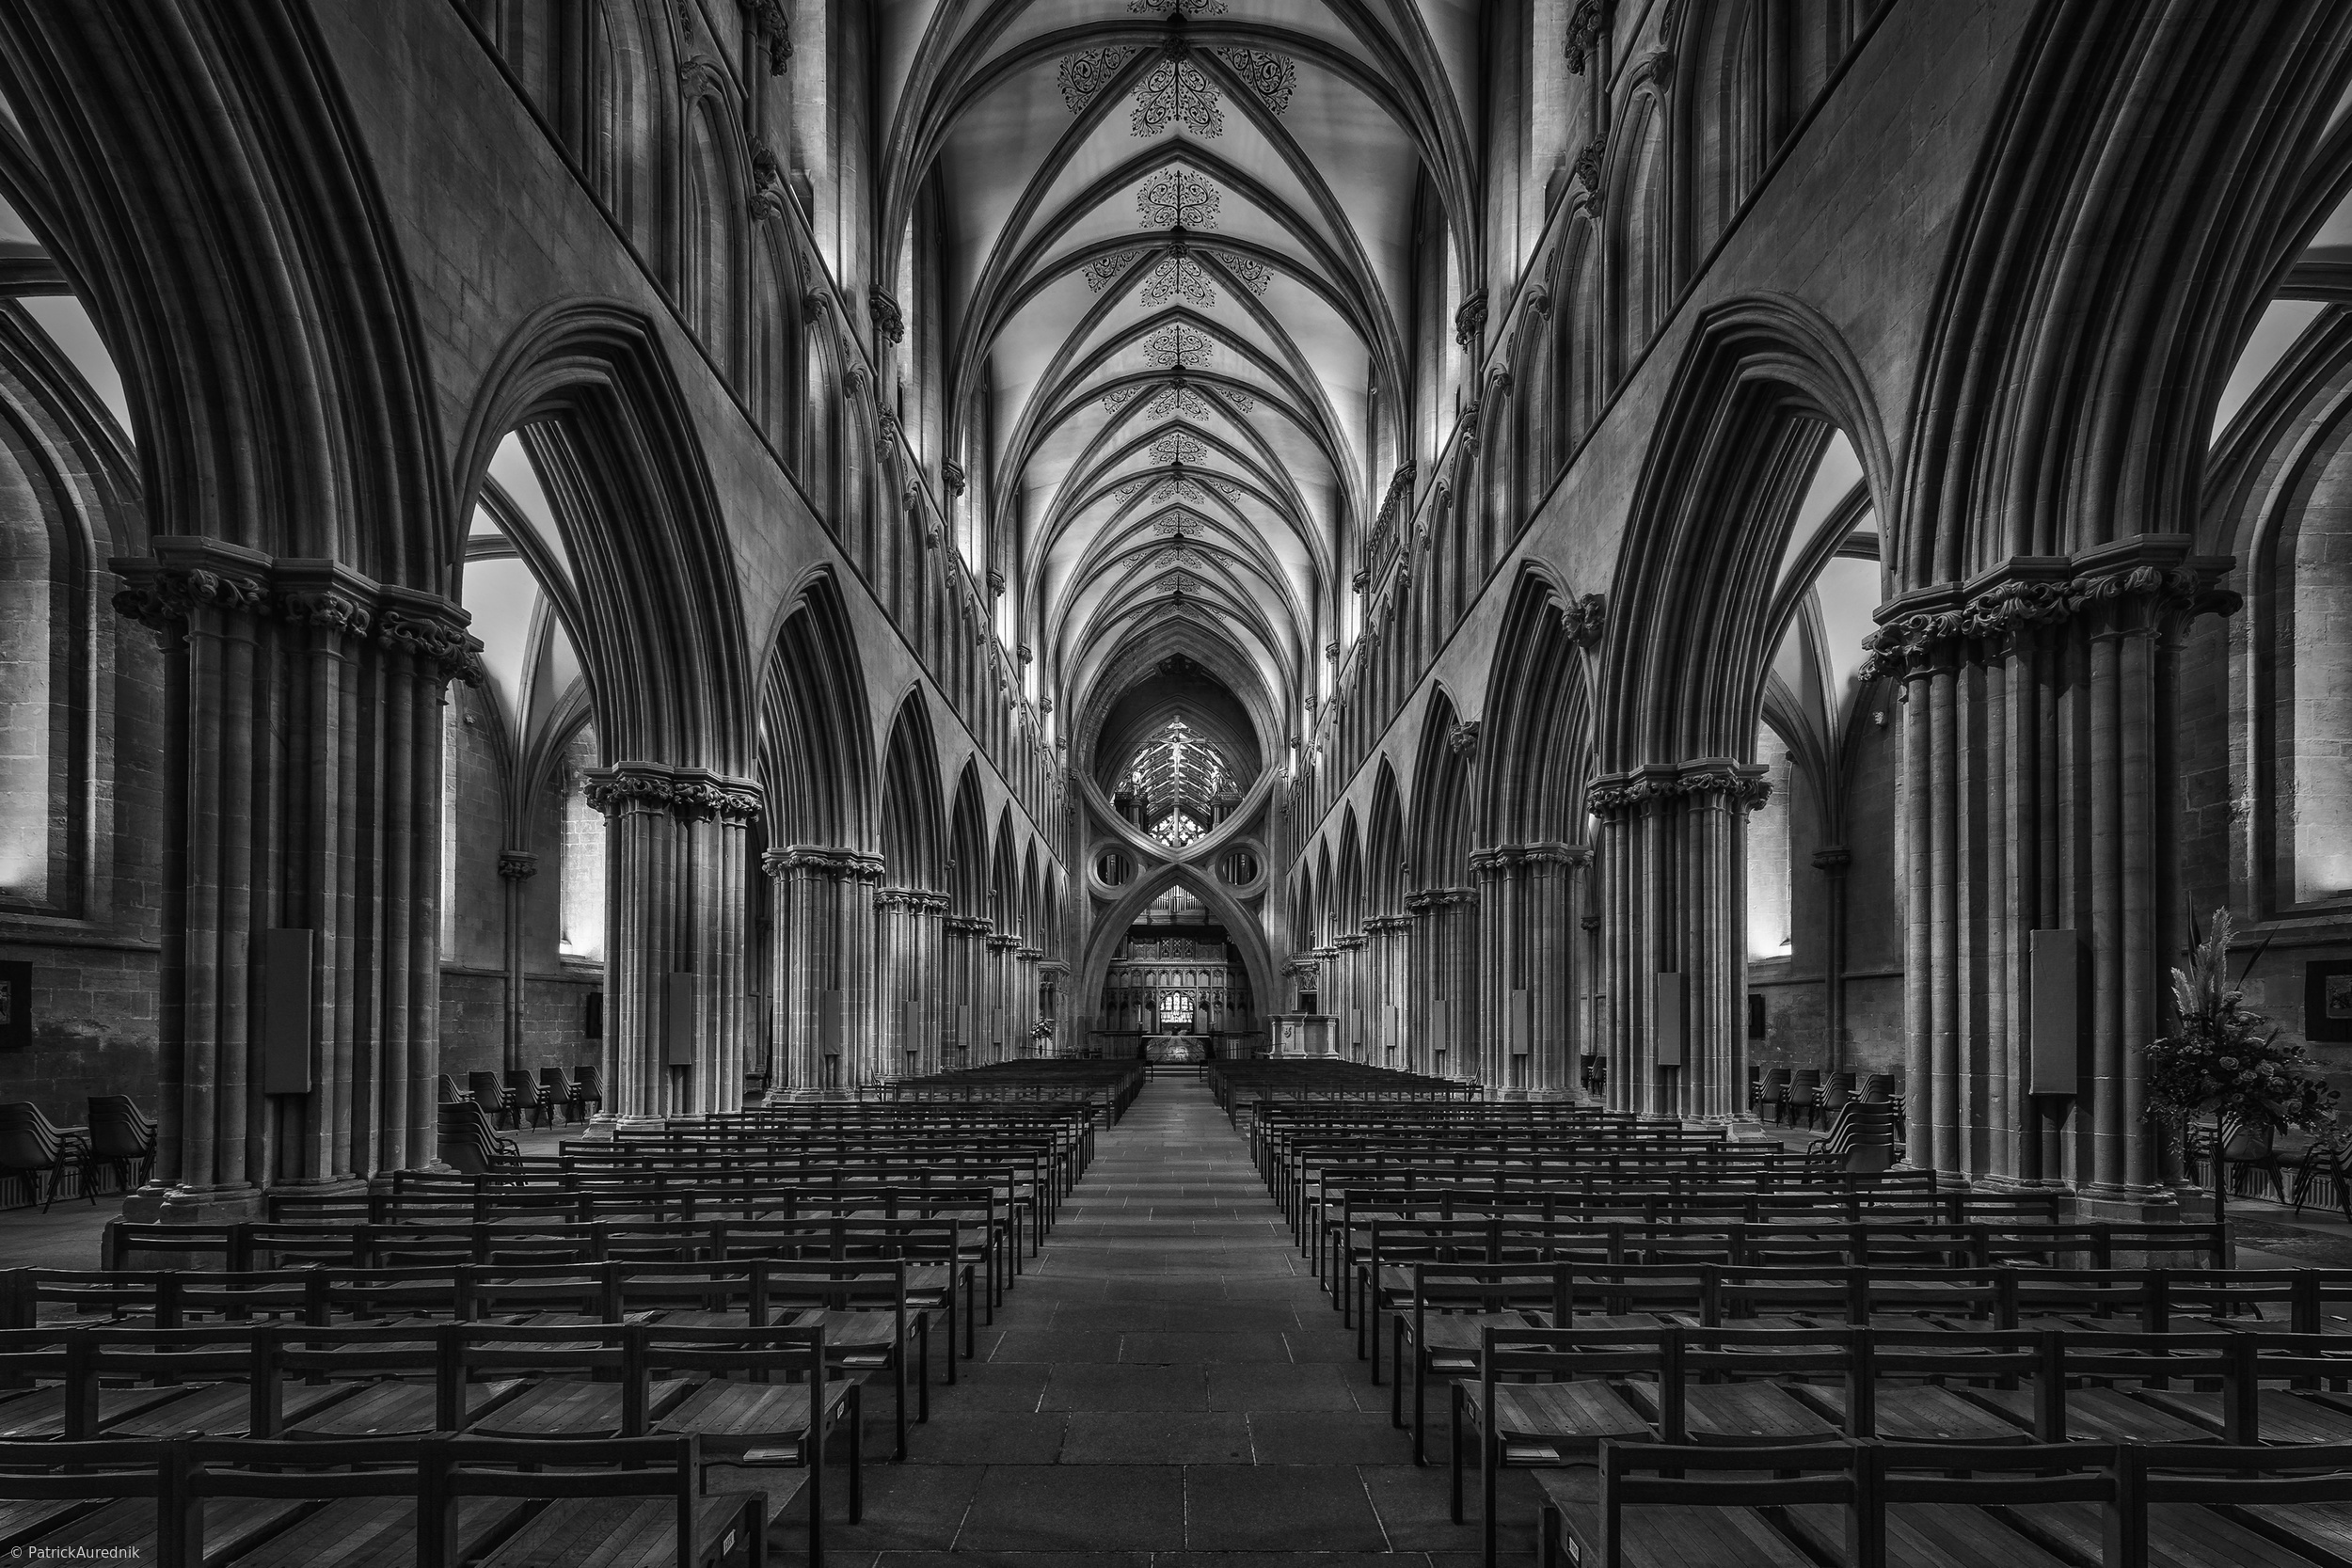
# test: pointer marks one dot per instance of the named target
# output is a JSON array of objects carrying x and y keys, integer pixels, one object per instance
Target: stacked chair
[
  {"x": 123, "y": 1138},
  {"x": 653, "y": 1343},
  {"x": 1711, "y": 1352},
  {"x": 34, "y": 1150}
]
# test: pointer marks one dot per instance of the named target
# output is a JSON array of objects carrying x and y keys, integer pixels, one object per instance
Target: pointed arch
[
  {"x": 1385, "y": 872},
  {"x": 1441, "y": 801},
  {"x": 590, "y": 387},
  {"x": 1347, "y": 898},
  {"x": 914, "y": 839},
  {"x": 1537, "y": 739},
  {"x": 1241, "y": 929},
  {"x": 815, "y": 753},
  {"x": 967, "y": 845},
  {"x": 1762, "y": 385}
]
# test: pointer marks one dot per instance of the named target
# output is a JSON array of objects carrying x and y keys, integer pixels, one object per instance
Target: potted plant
[{"x": 2227, "y": 1061}]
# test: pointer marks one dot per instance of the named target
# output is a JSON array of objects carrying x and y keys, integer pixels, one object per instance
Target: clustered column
[
  {"x": 1001, "y": 946},
  {"x": 1673, "y": 868},
  {"x": 675, "y": 1009},
  {"x": 1529, "y": 894},
  {"x": 303, "y": 757},
  {"x": 893, "y": 1049},
  {"x": 1443, "y": 941},
  {"x": 1348, "y": 1001},
  {"x": 963, "y": 935},
  {"x": 822, "y": 955},
  {"x": 2040, "y": 704},
  {"x": 1387, "y": 946},
  {"x": 1024, "y": 1022}
]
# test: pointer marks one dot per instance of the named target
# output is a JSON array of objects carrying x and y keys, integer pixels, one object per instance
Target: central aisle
[{"x": 1166, "y": 1380}]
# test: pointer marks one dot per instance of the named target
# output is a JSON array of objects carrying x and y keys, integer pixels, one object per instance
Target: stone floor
[{"x": 1166, "y": 1382}]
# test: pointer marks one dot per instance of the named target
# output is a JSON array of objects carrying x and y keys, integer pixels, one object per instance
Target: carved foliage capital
[
  {"x": 816, "y": 863},
  {"x": 2148, "y": 596},
  {"x": 689, "y": 794},
  {"x": 1540, "y": 857},
  {"x": 1713, "y": 783}
]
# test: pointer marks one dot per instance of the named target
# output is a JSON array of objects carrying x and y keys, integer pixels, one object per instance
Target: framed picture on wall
[
  {"x": 16, "y": 1005},
  {"x": 2327, "y": 1000}
]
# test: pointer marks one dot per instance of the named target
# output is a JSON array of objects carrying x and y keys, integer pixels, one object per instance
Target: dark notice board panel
[{"x": 16, "y": 1004}]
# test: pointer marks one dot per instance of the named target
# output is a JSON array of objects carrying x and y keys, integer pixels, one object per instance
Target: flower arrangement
[
  {"x": 2225, "y": 1059},
  {"x": 1041, "y": 1030}
]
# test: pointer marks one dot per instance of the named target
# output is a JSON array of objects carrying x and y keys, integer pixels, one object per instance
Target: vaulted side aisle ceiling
[{"x": 1178, "y": 239}]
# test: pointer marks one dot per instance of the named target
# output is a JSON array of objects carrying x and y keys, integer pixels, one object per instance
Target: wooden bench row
[
  {"x": 443, "y": 1197},
  {"x": 1300, "y": 1192},
  {"x": 1376, "y": 1270},
  {"x": 877, "y": 1319},
  {"x": 1357, "y": 1209},
  {"x": 437, "y": 1501},
  {"x": 1872, "y": 1505},
  {"x": 1548, "y": 1398}
]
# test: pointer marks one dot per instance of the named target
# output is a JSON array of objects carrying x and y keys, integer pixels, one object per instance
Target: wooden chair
[
  {"x": 121, "y": 1137},
  {"x": 2202, "y": 1498},
  {"x": 373, "y": 1501},
  {"x": 742, "y": 1417},
  {"x": 1951, "y": 1505},
  {"x": 1645, "y": 1510},
  {"x": 99, "y": 1500},
  {"x": 580, "y": 1378},
  {"x": 1544, "y": 1397},
  {"x": 1455, "y": 1307},
  {"x": 636, "y": 1484},
  {"x": 870, "y": 1327}
]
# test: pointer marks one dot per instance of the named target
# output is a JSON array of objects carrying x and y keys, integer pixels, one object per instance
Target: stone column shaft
[
  {"x": 1674, "y": 887},
  {"x": 2036, "y": 705},
  {"x": 676, "y": 852},
  {"x": 302, "y": 759},
  {"x": 516, "y": 869}
]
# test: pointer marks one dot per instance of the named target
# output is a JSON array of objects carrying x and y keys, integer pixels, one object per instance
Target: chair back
[
  {"x": 525, "y": 1090},
  {"x": 27, "y": 1142},
  {"x": 1806, "y": 1088},
  {"x": 467, "y": 1142},
  {"x": 117, "y": 1128},
  {"x": 552, "y": 1080},
  {"x": 448, "y": 1090},
  {"x": 1775, "y": 1084},
  {"x": 1838, "y": 1090},
  {"x": 484, "y": 1087},
  {"x": 1877, "y": 1087},
  {"x": 591, "y": 1082},
  {"x": 2243, "y": 1140}
]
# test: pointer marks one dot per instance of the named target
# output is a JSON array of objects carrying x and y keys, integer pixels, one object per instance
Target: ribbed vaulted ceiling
[{"x": 1177, "y": 277}]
